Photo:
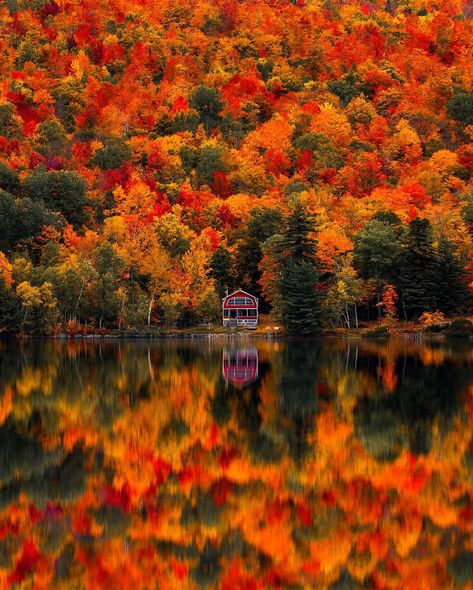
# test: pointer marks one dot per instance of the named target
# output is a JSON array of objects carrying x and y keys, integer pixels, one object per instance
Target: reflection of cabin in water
[
  {"x": 240, "y": 366},
  {"x": 240, "y": 309}
]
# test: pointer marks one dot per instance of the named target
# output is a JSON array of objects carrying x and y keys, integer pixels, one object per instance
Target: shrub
[
  {"x": 460, "y": 329},
  {"x": 429, "y": 318}
]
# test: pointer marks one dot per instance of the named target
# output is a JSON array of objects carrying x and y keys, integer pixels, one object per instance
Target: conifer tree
[
  {"x": 419, "y": 271},
  {"x": 300, "y": 301},
  {"x": 453, "y": 294},
  {"x": 298, "y": 242},
  {"x": 221, "y": 270},
  {"x": 299, "y": 296}
]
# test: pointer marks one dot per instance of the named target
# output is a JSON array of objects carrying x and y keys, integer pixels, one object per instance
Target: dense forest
[{"x": 155, "y": 154}]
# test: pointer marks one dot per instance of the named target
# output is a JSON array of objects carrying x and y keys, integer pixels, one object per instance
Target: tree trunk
[
  {"x": 356, "y": 316},
  {"x": 78, "y": 301},
  {"x": 346, "y": 315},
  {"x": 151, "y": 302}
]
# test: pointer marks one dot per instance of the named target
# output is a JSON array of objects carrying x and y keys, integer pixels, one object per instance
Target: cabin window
[
  {"x": 240, "y": 301},
  {"x": 242, "y": 312},
  {"x": 225, "y": 313},
  {"x": 252, "y": 313}
]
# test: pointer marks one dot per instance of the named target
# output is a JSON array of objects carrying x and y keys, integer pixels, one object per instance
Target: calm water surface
[{"x": 239, "y": 466}]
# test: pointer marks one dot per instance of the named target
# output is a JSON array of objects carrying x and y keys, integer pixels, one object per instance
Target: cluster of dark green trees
[
  {"x": 43, "y": 199},
  {"x": 274, "y": 257},
  {"x": 426, "y": 276}
]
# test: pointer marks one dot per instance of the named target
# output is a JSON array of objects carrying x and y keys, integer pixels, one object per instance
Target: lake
[{"x": 239, "y": 464}]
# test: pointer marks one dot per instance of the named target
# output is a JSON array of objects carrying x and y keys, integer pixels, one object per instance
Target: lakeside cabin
[{"x": 240, "y": 309}]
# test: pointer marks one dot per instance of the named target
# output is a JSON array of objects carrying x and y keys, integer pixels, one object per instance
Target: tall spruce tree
[
  {"x": 419, "y": 271},
  {"x": 300, "y": 300},
  {"x": 221, "y": 270},
  {"x": 298, "y": 242},
  {"x": 453, "y": 295},
  {"x": 298, "y": 282}
]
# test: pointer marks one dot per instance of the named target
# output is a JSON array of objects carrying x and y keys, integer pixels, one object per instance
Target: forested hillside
[{"x": 155, "y": 153}]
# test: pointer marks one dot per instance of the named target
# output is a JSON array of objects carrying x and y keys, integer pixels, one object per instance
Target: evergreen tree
[
  {"x": 453, "y": 294},
  {"x": 299, "y": 296},
  {"x": 298, "y": 242},
  {"x": 221, "y": 270},
  {"x": 300, "y": 300},
  {"x": 419, "y": 271},
  {"x": 262, "y": 224}
]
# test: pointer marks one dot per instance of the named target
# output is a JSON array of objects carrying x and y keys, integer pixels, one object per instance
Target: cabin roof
[{"x": 237, "y": 293}]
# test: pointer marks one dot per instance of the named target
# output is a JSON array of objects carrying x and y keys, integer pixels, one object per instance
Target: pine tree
[
  {"x": 221, "y": 270},
  {"x": 298, "y": 243},
  {"x": 419, "y": 271},
  {"x": 453, "y": 293},
  {"x": 297, "y": 286},
  {"x": 300, "y": 300}
]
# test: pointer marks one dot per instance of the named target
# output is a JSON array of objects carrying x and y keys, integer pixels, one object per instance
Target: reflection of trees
[
  {"x": 298, "y": 395},
  {"x": 63, "y": 482},
  {"x": 142, "y": 449},
  {"x": 424, "y": 394},
  {"x": 45, "y": 476}
]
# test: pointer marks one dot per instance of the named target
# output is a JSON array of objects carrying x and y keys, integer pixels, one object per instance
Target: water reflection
[
  {"x": 240, "y": 365},
  {"x": 246, "y": 465}
]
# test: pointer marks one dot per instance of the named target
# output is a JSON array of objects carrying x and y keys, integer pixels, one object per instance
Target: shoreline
[{"x": 373, "y": 331}]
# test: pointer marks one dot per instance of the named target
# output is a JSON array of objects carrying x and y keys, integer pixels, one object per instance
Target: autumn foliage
[{"x": 141, "y": 136}]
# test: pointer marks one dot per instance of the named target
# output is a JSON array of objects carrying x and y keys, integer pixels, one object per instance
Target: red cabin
[
  {"x": 240, "y": 366},
  {"x": 240, "y": 309}
]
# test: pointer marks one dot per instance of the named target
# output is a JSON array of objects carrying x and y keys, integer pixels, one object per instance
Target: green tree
[
  {"x": 300, "y": 299},
  {"x": 210, "y": 161},
  {"x": 453, "y": 295},
  {"x": 376, "y": 254},
  {"x": 460, "y": 107},
  {"x": 262, "y": 224},
  {"x": 115, "y": 152},
  {"x": 109, "y": 267},
  {"x": 418, "y": 271},
  {"x": 51, "y": 137},
  {"x": 9, "y": 307},
  {"x": 207, "y": 102},
  {"x": 324, "y": 152},
  {"x": 221, "y": 270},
  {"x": 346, "y": 87},
  {"x": 59, "y": 191},
  {"x": 173, "y": 236},
  {"x": 298, "y": 284},
  {"x": 10, "y": 122},
  {"x": 9, "y": 180},
  {"x": 298, "y": 240}
]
